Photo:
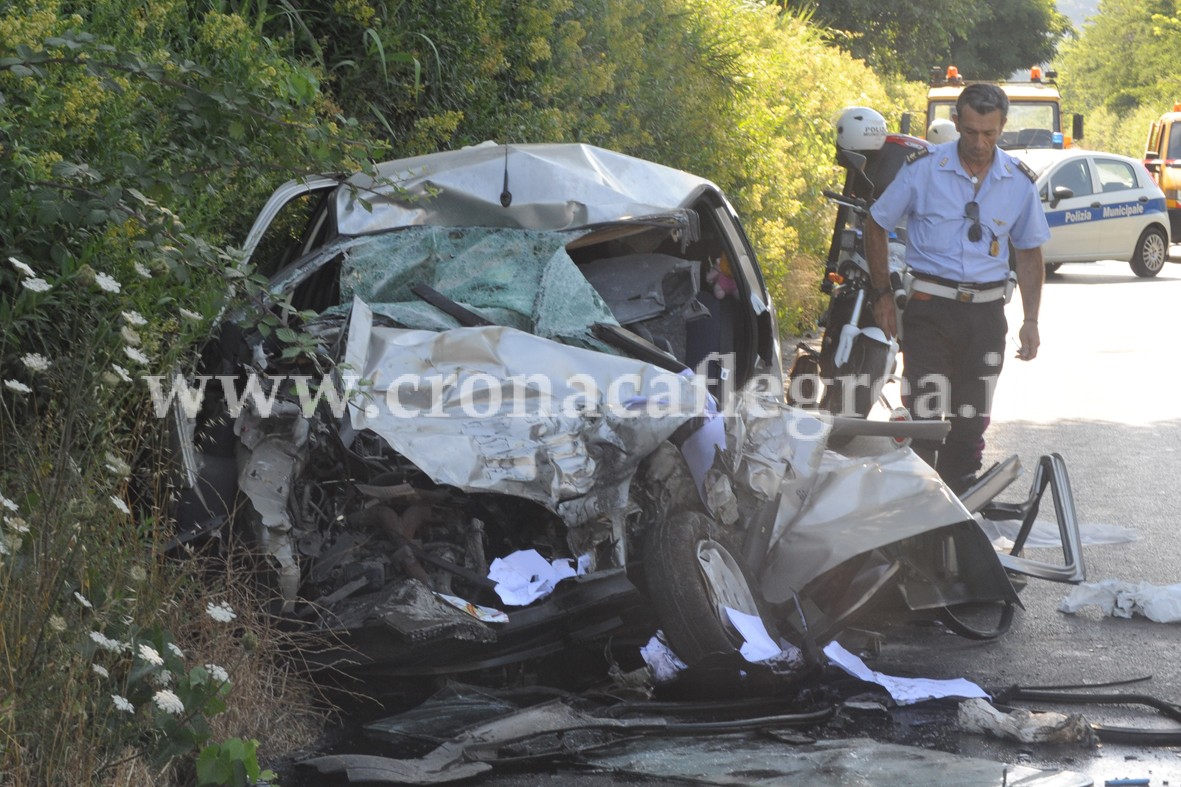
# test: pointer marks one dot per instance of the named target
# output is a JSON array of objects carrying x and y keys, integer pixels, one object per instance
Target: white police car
[{"x": 1100, "y": 206}]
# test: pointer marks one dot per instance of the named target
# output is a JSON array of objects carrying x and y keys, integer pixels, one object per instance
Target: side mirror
[
  {"x": 1060, "y": 193},
  {"x": 1076, "y": 128},
  {"x": 851, "y": 161}
]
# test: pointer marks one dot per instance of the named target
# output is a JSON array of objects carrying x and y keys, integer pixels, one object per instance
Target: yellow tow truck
[
  {"x": 1035, "y": 108},
  {"x": 1162, "y": 159}
]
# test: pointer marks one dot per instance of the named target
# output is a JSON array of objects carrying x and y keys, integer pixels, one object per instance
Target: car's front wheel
[
  {"x": 1151, "y": 252},
  {"x": 692, "y": 577},
  {"x": 1052, "y": 267}
]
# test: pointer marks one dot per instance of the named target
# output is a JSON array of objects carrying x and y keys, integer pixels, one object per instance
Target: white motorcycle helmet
[
  {"x": 861, "y": 129},
  {"x": 941, "y": 130}
]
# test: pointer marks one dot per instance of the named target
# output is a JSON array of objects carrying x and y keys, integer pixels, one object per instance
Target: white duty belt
[{"x": 964, "y": 293}]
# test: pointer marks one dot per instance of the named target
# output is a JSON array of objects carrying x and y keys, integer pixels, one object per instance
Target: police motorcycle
[{"x": 846, "y": 374}]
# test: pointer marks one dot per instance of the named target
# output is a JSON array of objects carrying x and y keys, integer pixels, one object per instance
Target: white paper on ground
[
  {"x": 525, "y": 576},
  {"x": 1160, "y": 604},
  {"x": 477, "y": 611},
  {"x": 905, "y": 691},
  {"x": 757, "y": 645}
]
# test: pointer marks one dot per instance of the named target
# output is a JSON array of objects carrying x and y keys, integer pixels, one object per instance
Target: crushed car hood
[{"x": 576, "y": 431}]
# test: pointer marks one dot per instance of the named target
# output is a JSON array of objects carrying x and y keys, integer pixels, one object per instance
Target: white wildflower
[
  {"x": 123, "y": 704},
  {"x": 138, "y": 574},
  {"x": 130, "y": 336},
  {"x": 21, "y": 268},
  {"x": 168, "y": 702},
  {"x": 36, "y": 284},
  {"x": 218, "y": 673},
  {"x": 11, "y": 506},
  {"x": 107, "y": 282},
  {"x": 162, "y": 679},
  {"x": 116, "y": 465},
  {"x": 142, "y": 270},
  {"x": 106, "y": 643},
  {"x": 176, "y": 651},
  {"x": 17, "y": 524},
  {"x": 35, "y": 362},
  {"x": 83, "y": 600},
  {"x": 191, "y": 316},
  {"x": 134, "y": 318},
  {"x": 119, "y": 504},
  {"x": 221, "y": 611},
  {"x": 18, "y": 386},
  {"x": 136, "y": 355},
  {"x": 150, "y": 655},
  {"x": 57, "y": 623},
  {"x": 100, "y": 670},
  {"x": 124, "y": 375}
]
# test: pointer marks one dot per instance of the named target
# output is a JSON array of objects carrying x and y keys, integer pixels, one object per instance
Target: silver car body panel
[{"x": 552, "y": 187}]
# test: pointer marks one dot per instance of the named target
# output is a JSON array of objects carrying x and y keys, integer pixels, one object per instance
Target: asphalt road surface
[{"x": 1105, "y": 393}]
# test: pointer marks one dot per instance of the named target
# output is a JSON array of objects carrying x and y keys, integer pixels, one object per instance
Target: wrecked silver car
[{"x": 525, "y": 398}]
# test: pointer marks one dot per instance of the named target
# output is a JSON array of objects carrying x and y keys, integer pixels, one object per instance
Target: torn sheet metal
[
  {"x": 1121, "y": 599},
  {"x": 414, "y": 612},
  {"x": 550, "y": 186},
  {"x": 514, "y": 413},
  {"x": 271, "y": 452},
  {"x": 860, "y": 502},
  {"x": 469, "y": 753}
]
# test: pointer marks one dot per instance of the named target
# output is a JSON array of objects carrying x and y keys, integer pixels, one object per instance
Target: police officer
[
  {"x": 964, "y": 203},
  {"x": 941, "y": 130}
]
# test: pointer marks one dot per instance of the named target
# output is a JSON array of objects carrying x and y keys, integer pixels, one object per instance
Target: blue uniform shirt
[{"x": 930, "y": 194}]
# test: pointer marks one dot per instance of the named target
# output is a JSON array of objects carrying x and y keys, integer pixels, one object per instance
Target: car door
[
  {"x": 295, "y": 221},
  {"x": 1073, "y": 220},
  {"x": 1123, "y": 215}
]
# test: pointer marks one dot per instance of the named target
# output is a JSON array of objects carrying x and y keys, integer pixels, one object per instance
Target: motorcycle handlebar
[{"x": 857, "y": 204}]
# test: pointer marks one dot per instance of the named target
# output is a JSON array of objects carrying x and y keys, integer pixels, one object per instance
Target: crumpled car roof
[{"x": 554, "y": 186}]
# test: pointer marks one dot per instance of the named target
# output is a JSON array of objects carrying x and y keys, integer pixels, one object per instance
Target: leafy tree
[
  {"x": 1126, "y": 56},
  {"x": 1121, "y": 94},
  {"x": 985, "y": 40}
]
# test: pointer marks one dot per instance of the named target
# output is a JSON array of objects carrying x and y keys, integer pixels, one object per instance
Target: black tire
[
  {"x": 1151, "y": 252},
  {"x": 677, "y": 585},
  {"x": 975, "y": 621},
  {"x": 1052, "y": 267}
]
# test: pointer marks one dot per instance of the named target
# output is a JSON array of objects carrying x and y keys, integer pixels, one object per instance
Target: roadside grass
[{"x": 120, "y": 666}]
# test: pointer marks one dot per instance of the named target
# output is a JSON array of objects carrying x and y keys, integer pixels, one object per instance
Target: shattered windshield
[{"x": 516, "y": 278}]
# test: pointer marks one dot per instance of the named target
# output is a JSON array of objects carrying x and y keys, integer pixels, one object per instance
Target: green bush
[{"x": 136, "y": 142}]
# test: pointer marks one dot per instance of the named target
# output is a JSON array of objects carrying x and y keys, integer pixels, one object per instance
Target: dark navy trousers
[{"x": 952, "y": 355}]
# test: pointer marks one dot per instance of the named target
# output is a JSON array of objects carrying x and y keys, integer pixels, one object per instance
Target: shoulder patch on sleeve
[
  {"x": 1029, "y": 173},
  {"x": 917, "y": 154}
]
